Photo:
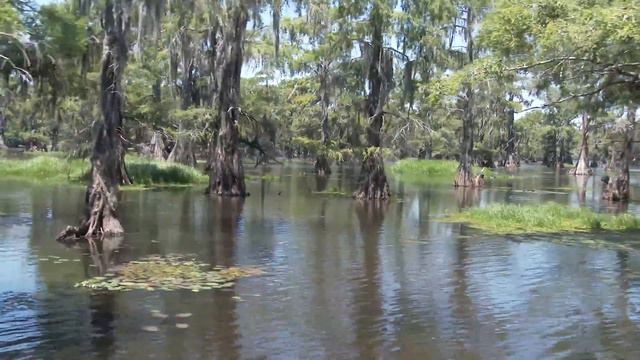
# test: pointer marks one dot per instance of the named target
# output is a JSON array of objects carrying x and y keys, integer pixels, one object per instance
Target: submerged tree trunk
[
  {"x": 374, "y": 184},
  {"x": 107, "y": 160},
  {"x": 226, "y": 176},
  {"x": 582, "y": 167},
  {"x": 618, "y": 189},
  {"x": 323, "y": 165}
]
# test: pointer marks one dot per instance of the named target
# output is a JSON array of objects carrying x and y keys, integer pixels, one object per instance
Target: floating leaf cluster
[{"x": 172, "y": 272}]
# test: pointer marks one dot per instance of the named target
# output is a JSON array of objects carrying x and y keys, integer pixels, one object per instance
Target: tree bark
[
  {"x": 226, "y": 176},
  {"x": 511, "y": 157},
  {"x": 582, "y": 167},
  {"x": 464, "y": 178},
  {"x": 183, "y": 152},
  {"x": 323, "y": 165},
  {"x": 157, "y": 147},
  {"x": 618, "y": 189},
  {"x": 374, "y": 184},
  {"x": 108, "y": 155}
]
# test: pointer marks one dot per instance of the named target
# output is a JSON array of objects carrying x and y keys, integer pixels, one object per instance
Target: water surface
[{"x": 344, "y": 279}]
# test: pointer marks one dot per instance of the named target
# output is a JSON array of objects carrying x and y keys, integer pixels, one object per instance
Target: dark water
[{"x": 343, "y": 279}]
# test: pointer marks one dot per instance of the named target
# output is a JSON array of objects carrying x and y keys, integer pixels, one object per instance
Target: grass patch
[
  {"x": 544, "y": 218},
  {"x": 268, "y": 178},
  {"x": 151, "y": 173},
  {"x": 416, "y": 170},
  {"x": 56, "y": 169},
  {"x": 425, "y": 168},
  {"x": 45, "y": 168},
  {"x": 331, "y": 191}
]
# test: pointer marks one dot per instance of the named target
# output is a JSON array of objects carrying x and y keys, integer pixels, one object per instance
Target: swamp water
[{"x": 341, "y": 279}]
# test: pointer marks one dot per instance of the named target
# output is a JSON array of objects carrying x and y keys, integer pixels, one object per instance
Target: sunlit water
[{"x": 343, "y": 279}]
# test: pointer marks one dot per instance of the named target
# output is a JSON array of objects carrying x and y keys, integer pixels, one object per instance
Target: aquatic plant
[
  {"x": 171, "y": 272},
  {"x": 541, "y": 218}
]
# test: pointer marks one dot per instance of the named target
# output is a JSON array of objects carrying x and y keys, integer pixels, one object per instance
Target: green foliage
[
  {"x": 9, "y": 18},
  {"x": 541, "y": 218},
  {"x": 16, "y": 138},
  {"x": 65, "y": 33}
]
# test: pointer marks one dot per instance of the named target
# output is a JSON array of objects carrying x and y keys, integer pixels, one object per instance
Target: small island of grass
[
  {"x": 541, "y": 218},
  {"x": 436, "y": 171},
  {"x": 55, "y": 169}
]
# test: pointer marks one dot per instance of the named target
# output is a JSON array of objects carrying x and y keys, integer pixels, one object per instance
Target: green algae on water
[{"x": 168, "y": 273}]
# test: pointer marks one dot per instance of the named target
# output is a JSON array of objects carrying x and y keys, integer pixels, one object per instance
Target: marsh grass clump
[
  {"x": 57, "y": 169},
  {"x": 416, "y": 170},
  {"x": 45, "y": 168},
  {"x": 151, "y": 172},
  {"x": 171, "y": 272},
  {"x": 428, "y": 168},
  {"x": 543, "y": 218}
]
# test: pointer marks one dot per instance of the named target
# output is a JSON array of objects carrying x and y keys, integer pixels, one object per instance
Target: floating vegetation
[
  {"x": 173, "y": 272},
  {"x": 267, "y": 178}
]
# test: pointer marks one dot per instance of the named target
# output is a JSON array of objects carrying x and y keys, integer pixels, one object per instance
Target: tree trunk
[
  {"x": 157, "y": 147},
  {"x": 374, "y": 184},
  {"x": 511, "y": 156},
  {"x": 323, "y": 165},
  {"x": 226, "y": 176},
  {"x": 108, "y": 156},
  {"x": 464, "y": 178},
  {"x": 183, "y": 152},
  {"x": 582, "y": 167},
  {"x": 618, "y": 189}
]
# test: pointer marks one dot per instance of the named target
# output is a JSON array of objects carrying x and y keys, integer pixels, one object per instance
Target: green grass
[
  {"x": 44, "y": 168},
  {"x": 56, "y": 169},
  {"x": 427, "y": 168},
  {"x": 416, "y": 170},
  {"x": 543, "y": 218},
  {"x": 151, "y": 173},
  {"x": 332, "y": 191}
]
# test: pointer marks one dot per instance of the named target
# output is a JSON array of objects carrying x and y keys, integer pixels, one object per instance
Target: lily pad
[{"x": 172, "y": 272}]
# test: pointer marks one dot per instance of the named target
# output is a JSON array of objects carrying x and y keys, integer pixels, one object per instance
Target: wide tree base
[
  {"x": 464, "y": 179},
  {"x": 374, "y": 185},
  {"x": 101, "y": 220},
  {"x": 322, "y": 166},
  {"x": 227, "y": 178},
  {"x": 581, "y": 172},
  {"x": 616, "y": 190}
]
